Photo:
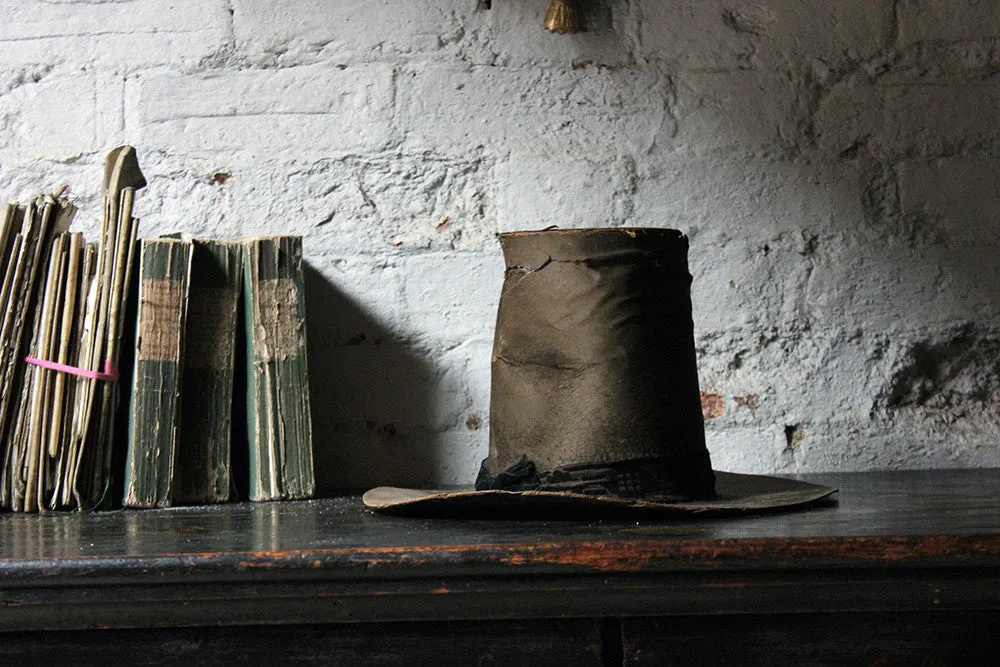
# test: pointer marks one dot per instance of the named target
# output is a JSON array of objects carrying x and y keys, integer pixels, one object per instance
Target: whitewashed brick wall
[{"x": 835, "y": 163}]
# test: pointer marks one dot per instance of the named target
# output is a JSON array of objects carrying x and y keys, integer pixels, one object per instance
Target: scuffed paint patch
[{"x": 952, "y": 377}]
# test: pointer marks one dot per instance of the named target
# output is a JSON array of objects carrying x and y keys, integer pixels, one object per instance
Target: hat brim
[{"x": 736, "y": 494}]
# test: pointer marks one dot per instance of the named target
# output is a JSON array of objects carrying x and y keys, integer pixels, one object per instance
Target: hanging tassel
[{"x": 565, "y": 17}]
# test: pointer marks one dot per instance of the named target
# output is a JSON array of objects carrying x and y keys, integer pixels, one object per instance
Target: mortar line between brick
[{"x": 103, "y": 33}]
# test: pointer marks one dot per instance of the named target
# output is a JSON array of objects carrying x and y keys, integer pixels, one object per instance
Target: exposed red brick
[{"x": 711, "y": 406}]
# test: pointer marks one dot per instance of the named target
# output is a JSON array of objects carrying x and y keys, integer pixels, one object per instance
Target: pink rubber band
[{"x": 110, "y": 373}]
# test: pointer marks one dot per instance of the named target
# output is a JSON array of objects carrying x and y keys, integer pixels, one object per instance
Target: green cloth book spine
[
  {"x": 209, "y": 360},
  {"x": 278, "y": 414},
  {"x": 164, "y": 274}
]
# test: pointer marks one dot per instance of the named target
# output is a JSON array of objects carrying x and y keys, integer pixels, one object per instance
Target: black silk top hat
[{"x": 595, "y": 405}]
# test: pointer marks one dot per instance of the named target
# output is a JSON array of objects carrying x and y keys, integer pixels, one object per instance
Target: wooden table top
[{"x": 899, "y": 533}]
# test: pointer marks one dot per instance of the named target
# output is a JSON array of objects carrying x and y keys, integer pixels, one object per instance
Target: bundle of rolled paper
[{"x": 61, "y": 338}]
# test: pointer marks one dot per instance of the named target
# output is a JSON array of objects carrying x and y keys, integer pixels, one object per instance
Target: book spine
[
  {"x": 164, "y": 274},
  {"x": 278, "y": 413},
  {"x": 209, "y": 359}
]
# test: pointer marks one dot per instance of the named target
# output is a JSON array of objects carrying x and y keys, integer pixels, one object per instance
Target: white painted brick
[
  {"x": 941, "y": 117},
  {"x": 921, "y": 20},
  {"x": 373, "y": 390},
  {"x": 429, "y": 203},
  {"x": 452, "y": 298},
  {"x": 250, "y": 200},
  {"x": 535, "y": 192},
  {"x": 420, "y": 459},
  {"x": 746, "y": 450},
  {"x": 476, "y": 354},
  {"x": 745, "y": 286},
  {"x": 970, "y": 283},
  {"x": 23, "y": 181},
  {"x": 937, "y": 62},
  {"x": 452, "y": 395},
  {"x": 508, "y": 34},
  {"x": 458, "y": 456},
  {"x": 369, "y": 292},
  {"x": 691, "y": 33},
  {"x": 348, "y": 31},
  {"x": 888, "y": 287},
  {"x": 888, "y": 447},
  {"x": 848, "y": 115},
  {"x": 122, "y": 52},
  {"x": 261, "y": 115},
  {"x": 110, "y": 108},
  {"x": 27, "y": 19},
  {"x": 311, "y": 90},
  {"x": 396, "y": 412},
  {"x": 722, "y": 197},
  {"x": 700, "y": 34},
  {"x": 125, "y": 35},
  {"x": 54, "y": 118},
  {"x": 838, "y": 188},
  {"x": 733, "y": 109},
  {"x": 592, "y": 112},
  {"x": 957, "y": 198},
  {"x": 351, "y": 206},
  {"x": 513, "y": 34}
]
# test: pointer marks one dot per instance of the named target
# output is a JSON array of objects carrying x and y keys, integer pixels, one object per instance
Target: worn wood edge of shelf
[
  {"x": 92, "y": 604},
  {"x": 520, "y": 559}
]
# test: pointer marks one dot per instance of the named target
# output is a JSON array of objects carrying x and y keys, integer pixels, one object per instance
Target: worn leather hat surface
[{"x": 595, "y": 406}]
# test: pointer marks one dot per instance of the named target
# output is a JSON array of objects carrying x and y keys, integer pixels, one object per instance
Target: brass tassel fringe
[{"x": 565, "y": 17}]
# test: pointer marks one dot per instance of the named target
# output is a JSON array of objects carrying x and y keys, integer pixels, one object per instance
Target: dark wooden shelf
[{"x": 923, "y": 547}]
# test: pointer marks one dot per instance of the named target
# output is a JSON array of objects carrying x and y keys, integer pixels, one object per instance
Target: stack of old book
[
  {"x": 180, "y": 431},
  {"x": 66, "y": 324}
]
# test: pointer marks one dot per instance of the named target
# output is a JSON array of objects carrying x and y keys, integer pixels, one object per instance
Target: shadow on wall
[{"x": 371, "y": 397}]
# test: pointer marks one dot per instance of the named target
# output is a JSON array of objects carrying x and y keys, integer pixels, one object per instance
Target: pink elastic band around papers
[{"x": 110, "y": 373}]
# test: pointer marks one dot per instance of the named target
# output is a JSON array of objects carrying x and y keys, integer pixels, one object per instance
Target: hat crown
[{"x": 594, "y": 361}]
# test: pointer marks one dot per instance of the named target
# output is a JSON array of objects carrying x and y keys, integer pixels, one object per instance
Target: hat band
[{"x": 670, "y": 479}]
